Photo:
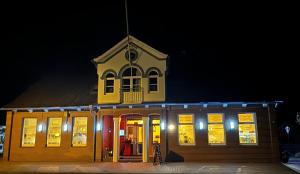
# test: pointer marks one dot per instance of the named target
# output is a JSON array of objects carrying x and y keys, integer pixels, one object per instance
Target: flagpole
[{"x": 128, "y": 39}]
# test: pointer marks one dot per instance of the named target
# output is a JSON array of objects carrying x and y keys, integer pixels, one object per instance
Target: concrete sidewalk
[
  {"x": 294, "y": 164},
  {"x": 106, "y": 167}
]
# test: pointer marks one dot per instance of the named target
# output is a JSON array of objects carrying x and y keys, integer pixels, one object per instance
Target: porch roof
[{"x": 147, "y": 105}]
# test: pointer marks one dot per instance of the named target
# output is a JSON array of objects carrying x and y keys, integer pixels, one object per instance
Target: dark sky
[{"x": 237, "y": 52}]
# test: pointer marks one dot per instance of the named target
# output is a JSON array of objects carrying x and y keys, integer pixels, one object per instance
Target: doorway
[{"x": 134, "y": 137}]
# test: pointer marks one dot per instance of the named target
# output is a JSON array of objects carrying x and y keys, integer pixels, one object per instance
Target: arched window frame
[
  {"x": 109, "y": 83},
  {"x": 153, "y": 81},
  {"x": 131, "y": 83}
]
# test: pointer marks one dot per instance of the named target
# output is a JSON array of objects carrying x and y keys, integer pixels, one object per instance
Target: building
[{"x": 121, "y": 117}]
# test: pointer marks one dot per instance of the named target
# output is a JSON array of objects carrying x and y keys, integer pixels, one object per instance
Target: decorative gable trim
[{"x": 123, "y": 44}]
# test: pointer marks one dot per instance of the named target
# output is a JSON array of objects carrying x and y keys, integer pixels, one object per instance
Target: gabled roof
[
  {"x": 58, "y": 91},
  {"x": 123, "y": 43}
]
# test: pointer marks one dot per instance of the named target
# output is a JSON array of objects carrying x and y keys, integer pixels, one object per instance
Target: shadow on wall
[{"x": 174, "y": 157}]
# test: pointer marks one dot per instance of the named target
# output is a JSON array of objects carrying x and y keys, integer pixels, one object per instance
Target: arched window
[
  {"x": 109, "y": 83},
  {"x": 131, "y": 80},
  {"x": 153, "y": 78}
]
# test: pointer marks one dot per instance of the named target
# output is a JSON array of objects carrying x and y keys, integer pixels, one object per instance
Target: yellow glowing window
[
  {"x": 140, "y": 137},
  {"x": 216, "y": 133},
  {"x": 156, "y": 131},
  {"x": 29, "y": 132},
  {"x": 79, "y": 132},
  {"x": 133, "y": 122},
  {"x": 246, "y": 118},
  {"x": 155, "y": 121},
  {"x": 247, "y": 129},
  {"x": 54, "y": 132},
  {"x": 185, "y": 118},
  {"x": 215, "y": 118},
  {"x": 186, "y": 129}
]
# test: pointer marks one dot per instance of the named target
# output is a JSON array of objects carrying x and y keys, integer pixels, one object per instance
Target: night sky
[{"x": 242, "y": 52}]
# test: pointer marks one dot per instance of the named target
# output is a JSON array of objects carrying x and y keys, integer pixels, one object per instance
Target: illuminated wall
[{"x": 145, "y": 61}]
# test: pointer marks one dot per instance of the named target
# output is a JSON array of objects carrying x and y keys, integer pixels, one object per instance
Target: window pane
[
  {"x": 155, "y": 121},
  {"x": 135, "y": 122},
  {"x": 126, "y": 82},
  {"x": 54, "y": 132},
  {"x": 131, "y": 72},
  {"x": 110, "y": 75},
  {"x": 153, "y": 81},
  {"x": 156, "y": 133},
  {"x": 79, "y": 131},
  {"x": 109, "y": 89},
  {"x": 247, "y": 133},
  {"x": 186, "y": 134},
  {"x": 153, "y": 73},
  {"x": 109, "y": 82},
  {"x": 29, "y": 132},
  {"x": 140, "y": 138},
  {"x": 136, "y": 81},
  {"x": 215, "y": 118},
  {"x": 187, "y": 118},
  {"x": 248, "y": 117},
  {"x": 152, "y": 87},
  {"x": 216, "y": 134}
]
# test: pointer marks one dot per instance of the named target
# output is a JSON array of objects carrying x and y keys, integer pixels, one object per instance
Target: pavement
[
  {"x": 108, "y": 167},
  {"x": 294, "y": 164}
]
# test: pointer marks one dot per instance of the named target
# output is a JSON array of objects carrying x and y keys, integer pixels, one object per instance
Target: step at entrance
[{"x": 137, "y": 158}]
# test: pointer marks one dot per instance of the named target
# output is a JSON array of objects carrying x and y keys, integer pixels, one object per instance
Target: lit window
[
  {"x": 79, "y": 132},
  {"x": 153, "y": 78},
  {"x": 54, "y": 132},
  {"x": 29, "y": 132},
  {"x": 247, "y": 129},
  {"x": 216, "y": 133},
  {"x": 186, "y": 130},
  {"x": 109, "y": 83},
  {"x": 156, "y": 131}
]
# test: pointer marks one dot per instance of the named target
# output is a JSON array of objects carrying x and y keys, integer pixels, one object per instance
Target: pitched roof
[
  {"x": 123, "y": 43},
  {"x": 57, "y": 92}
]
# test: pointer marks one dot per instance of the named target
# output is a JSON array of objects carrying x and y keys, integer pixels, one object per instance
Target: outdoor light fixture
[
  {"x": 171, "y": 127},
  {"x": 231, "y": 125},
  {"x": 201, "y": 126},
  {"x": 65, "y": 127},
  {"x": 162, "y": 126},
  {"x": 40, "y": 128},
  {"x": 98, "y": 126}
]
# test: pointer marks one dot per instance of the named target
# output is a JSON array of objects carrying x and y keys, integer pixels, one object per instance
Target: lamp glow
[
  {"x": 201, "y": 125},
  {"x": 65, "y": 127},
  {"x": 40, "y": 128},
  {"x": 231, "y": 125},
  {"x": 162, "y": 126},
  {"x": 171, "y": 127},
  {"x": 98, "y": 126}
]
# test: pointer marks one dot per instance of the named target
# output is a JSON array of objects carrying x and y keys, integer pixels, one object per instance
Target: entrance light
[
  {"x": 231, "y": 125},
  {"x": 98, "y": 126},
  {"x": 201, "y": 126},
  {"x": 65, "y": 127},
  {"x": 40, "y": 128},
  {"x": 171, "y": 127},
  {"x": 162, "y": 126}
]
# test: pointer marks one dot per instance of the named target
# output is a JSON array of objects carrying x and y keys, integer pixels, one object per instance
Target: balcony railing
[{"x": 132, "y": 95}]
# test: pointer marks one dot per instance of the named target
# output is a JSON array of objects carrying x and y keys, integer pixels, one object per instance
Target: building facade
[{"x": 127, "y": 113}]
